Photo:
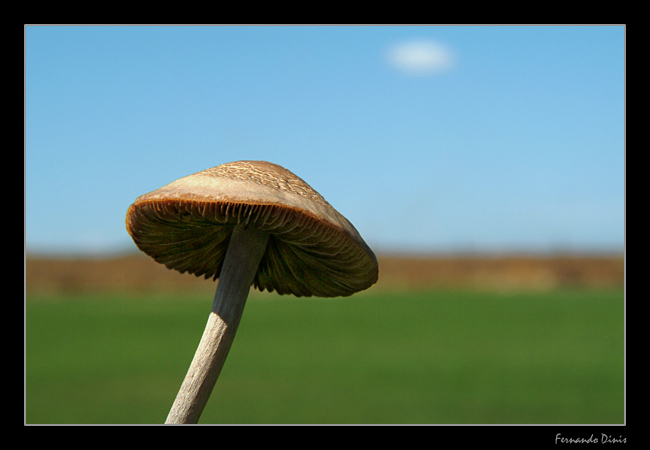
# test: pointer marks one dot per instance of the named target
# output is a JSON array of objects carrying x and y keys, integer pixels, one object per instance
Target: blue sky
[{"x": 426, "y": 138}]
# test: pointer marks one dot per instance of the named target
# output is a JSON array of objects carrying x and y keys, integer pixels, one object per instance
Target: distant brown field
[{"x": 139, "y": 274}]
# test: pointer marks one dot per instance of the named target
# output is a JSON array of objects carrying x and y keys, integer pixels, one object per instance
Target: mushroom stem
[{"x": 243, "y": 256}]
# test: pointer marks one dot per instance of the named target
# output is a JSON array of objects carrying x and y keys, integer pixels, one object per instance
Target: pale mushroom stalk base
[{"x": 242, "y": 259}]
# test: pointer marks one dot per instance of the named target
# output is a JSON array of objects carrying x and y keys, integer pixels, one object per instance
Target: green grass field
[{"x": 374, "y": 358}]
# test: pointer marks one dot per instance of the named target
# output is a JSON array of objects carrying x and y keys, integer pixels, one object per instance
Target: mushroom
[{"x": 246, "y": 222}]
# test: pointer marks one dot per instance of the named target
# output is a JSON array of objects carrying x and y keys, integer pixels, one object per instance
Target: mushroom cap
[{"x": 312, "y": 249}]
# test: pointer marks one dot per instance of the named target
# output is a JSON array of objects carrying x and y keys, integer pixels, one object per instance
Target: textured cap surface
[{"x": 312, "y": 248}]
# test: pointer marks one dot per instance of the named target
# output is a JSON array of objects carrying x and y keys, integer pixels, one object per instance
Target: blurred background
[{"x": 484, "y": 165}]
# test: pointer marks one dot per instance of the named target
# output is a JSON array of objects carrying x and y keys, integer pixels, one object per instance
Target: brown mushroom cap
[{"x": 312, "y": 249}]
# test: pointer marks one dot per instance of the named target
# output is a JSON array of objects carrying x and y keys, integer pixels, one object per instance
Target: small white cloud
[{"x": 421, "y": 57}]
